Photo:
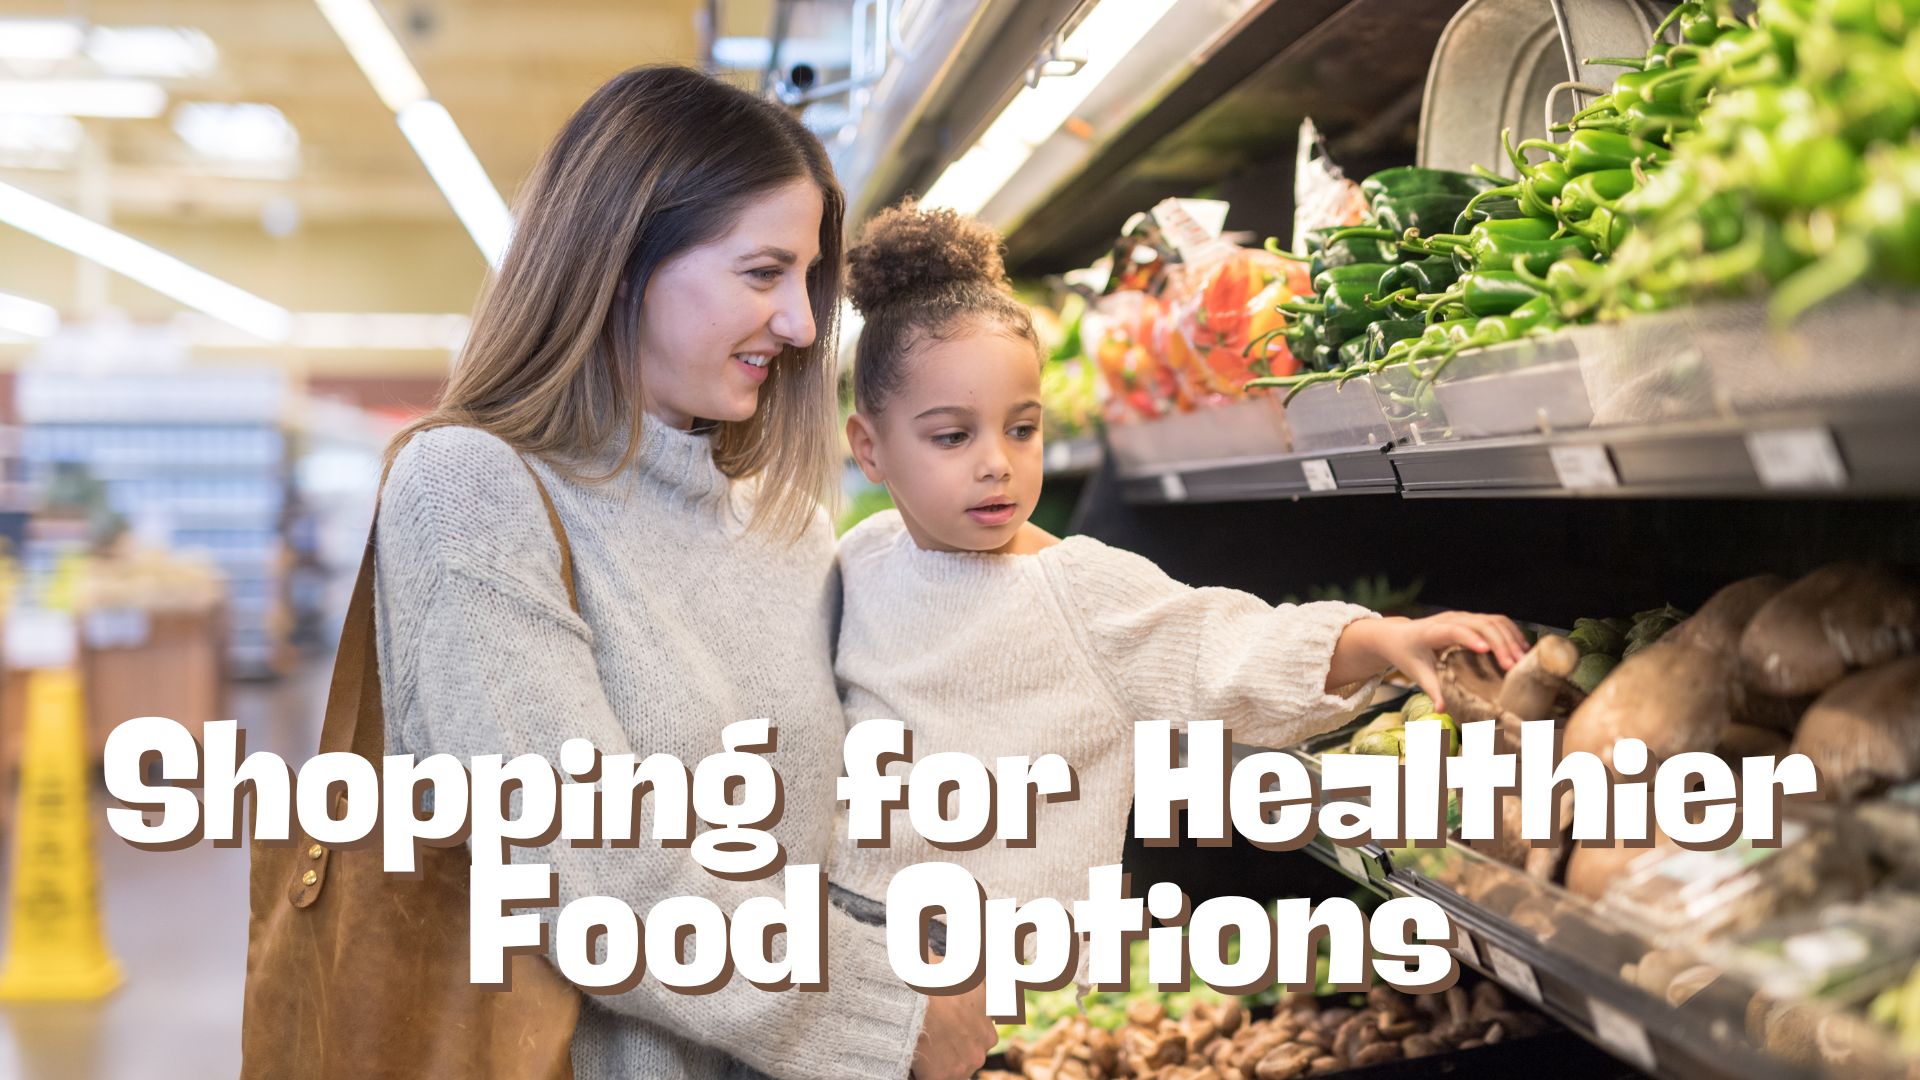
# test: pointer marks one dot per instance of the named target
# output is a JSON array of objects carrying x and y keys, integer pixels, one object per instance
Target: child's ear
[{"x": 860, "y": 441}]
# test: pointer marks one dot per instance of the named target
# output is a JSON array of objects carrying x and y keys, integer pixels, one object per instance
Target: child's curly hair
[{"x": 921, "y": 274}]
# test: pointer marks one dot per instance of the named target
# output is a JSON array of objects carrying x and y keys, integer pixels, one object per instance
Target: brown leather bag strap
[{"x": 355, "y": 719}]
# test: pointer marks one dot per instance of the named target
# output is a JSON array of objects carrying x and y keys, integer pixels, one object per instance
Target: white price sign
[
  {"x": 1621, "y": 1034},
  {"x": 1515, "y": 972},
  {"x": 1463, "y": 948},
  {"x": 1319, "y": 474},
  {"x": 1350, "y": 861},
  {"x": 1583, "y": 467},
  {"x": 1172, "y": 487},
  {"x": 1796, "y": 458},
  {"x": 1058, "y": 455}
]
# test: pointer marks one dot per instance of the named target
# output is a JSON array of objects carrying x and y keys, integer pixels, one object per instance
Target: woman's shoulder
[
  {"x": 874, "y": 533},
  {"x": 461, "y": 487}
]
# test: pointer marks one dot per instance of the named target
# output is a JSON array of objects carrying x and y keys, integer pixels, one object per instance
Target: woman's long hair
[{"x": 658, "y": 160}]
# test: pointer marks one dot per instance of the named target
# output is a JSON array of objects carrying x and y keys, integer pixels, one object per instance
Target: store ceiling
[{"x": 370, "y": 231}]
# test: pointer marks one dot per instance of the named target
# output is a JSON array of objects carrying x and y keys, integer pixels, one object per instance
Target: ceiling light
[
  {"x": 243, "y": 132},
  {"x": 147, "y": 265},
  {"x": 29, "y": 318},
  {"x": 1108, "y": 33},
  {"x": 124, "y": 99},
  {"x": 40, "y": 39},
  {"x": 448, "y": 158},
  {"x": 161, "y": 52},
  {"x": 376, "y": 50},
  {"x": 39, "y": 141},
  {"x": 425, "y": 122},
  {"x": 384, "y": 331}
]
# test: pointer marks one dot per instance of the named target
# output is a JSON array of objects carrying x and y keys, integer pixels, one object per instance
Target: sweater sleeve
[
  {"x": 1173, "y": 652},
  {"x": 481, "y": 654}
]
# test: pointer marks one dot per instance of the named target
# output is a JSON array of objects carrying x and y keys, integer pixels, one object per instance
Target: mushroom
[
  {"x": 1592, "y": 870},
  {"x": 1839, "y": 618},
  {"x": 1671, "y": 696},
  {"x": 1749, "y": 740},
  {"x": 1865, "y": 730},
  {"x": 1718, "y": 624},
  {"x": 1536, "y": 688}
]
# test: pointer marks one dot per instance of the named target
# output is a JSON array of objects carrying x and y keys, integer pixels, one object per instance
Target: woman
[{"x": 656, "y": 346}]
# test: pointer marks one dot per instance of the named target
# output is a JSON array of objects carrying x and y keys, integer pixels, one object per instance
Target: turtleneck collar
[{"x": 673, "y": 464}]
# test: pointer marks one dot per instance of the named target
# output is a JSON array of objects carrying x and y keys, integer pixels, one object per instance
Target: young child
[{"x": 985, "y": 635}]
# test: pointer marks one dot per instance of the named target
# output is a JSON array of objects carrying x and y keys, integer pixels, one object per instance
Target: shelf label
[
  {"x": 1796, "y": 458},
  {"x": 1058, "y": 455},
  {"x": 1172, "y": 487},
  {"x": 1621, "y": 1034},
  {"x": 1319, "y": 474},
  {"x": 1351, "y": 861},
  {"x": 1583, "y": 467},
  {"x": 1463, "y": 948},
  {"x": 1514, "y": 972}
]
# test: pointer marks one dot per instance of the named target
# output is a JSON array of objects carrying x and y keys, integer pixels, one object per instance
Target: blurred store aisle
[{"x": 177, "y": 921}]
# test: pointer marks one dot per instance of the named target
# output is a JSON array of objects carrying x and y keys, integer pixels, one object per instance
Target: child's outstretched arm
[
  {"x": 1168, "y": 651},
  {"x": 1368, "y": 647}
]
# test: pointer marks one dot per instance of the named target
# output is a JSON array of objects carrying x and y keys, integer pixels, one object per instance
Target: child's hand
[{"x": 1414, "y": 646}]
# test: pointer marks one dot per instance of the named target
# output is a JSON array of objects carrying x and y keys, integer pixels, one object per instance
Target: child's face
[{"x": 959, "y": 445}]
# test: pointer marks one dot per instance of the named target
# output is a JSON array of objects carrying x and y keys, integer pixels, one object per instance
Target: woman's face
[{"x": 716, "y": 315}]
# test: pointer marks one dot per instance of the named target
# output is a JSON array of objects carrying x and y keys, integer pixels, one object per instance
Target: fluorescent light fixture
[
  {"x": 39, "y": 140},
  {"x": 376, "y": 50},
  {"x": 244, "y": 132},
  {"x": 160, "y": 52},
  {"x": 425, "y": 122},
  {"x": 384, "y": 331},
  {"x": 40, "y": 39},
  {"x": 122, "y": 99},
  {"x": 1108, "y": 33},
  {"x": 29, "y": 318},
  {"x": 448, "y": 158},
  {"x": 147, "y": 265}
]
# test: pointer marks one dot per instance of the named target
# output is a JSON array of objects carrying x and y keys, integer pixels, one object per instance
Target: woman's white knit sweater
[
  {"x": 1061, "y": 652},
  {"x": 687, "y": 623}
]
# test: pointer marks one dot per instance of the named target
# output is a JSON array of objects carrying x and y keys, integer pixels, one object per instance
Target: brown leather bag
[{"x": 353, "y": 972}]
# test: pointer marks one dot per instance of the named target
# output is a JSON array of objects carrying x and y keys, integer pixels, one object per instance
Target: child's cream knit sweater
[{"x": 1060, "y": 652}]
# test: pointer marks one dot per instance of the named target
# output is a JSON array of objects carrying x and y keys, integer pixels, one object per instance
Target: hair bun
[{"x": 906, "y": 251}]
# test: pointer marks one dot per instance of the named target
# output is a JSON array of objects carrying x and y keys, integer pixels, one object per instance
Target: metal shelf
[
  {"x": 1364, "y": 470},
  {"x": 1698, "y": 403},
  {"x": 1861, "y": 452},
  {"x": 1073, "y": 458},
  {"x": 1569, "y": 978}
]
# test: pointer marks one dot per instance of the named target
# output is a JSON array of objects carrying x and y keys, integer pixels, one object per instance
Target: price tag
[
  {"x": 1583, "y": 467},
  {"x": 1796, "y": 458},
  {"x": 1319, "y": 474},
  {"x": 1058, "y": 455},
  {"x": 1351, "y": 861},
  {"x": 1173, "y": 487},
  {"x": 1513, "y": 971},
  {"x": 1463, "y": 948},
  {"x": 1621, "y": 1034}
]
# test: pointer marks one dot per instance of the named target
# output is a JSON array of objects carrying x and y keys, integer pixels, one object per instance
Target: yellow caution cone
[{"x": 56, "y": 948}]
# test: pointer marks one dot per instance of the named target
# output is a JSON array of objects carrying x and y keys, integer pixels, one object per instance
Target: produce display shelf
[
  {"x": 1628, "y": 1022},
  {"x": 1076, "y": 457},
  {"x": 1860, "y": 451},
  {"x": 1357, "y": 471}
]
